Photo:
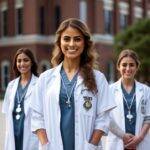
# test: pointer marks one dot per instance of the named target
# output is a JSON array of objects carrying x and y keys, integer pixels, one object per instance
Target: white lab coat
[
  {"x": 142, "y": 94},
  {"x": 46, "y": 110},
  {"x": 30, "y": 141}
]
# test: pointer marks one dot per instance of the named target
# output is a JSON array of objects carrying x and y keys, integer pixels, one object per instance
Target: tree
[{"x": 137, "y": 38}]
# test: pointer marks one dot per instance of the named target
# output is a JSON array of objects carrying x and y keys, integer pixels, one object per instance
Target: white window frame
[
  {"x": 124, "y": 8},
  {"x": 108, "y": 4},
  {"x": 83, "y": 10},
  {"x": 5, "y": 63},
  {"x": 138, "y": 0},
  {"x": 138, "y": 12},
  {"x": 18, "y": 5}
]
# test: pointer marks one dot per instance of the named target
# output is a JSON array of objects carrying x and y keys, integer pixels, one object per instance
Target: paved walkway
[{"x": 2, "y": 127}]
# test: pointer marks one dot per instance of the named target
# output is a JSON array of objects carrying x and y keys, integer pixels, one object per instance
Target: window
[
  {"x": 83, "y": 10},
  {"x": 57, "y": 16},
  {"x": 110, "y": 72},
  {"x": 124, "y": 13},
  {"x": 19, "y": 20},
  {"x": 148, "y": 14},
  {"x": 123, "y": 21},
  {"x": 5, "y": 74},
  {"x": 138, "y": 12},
  {"x": 42, "y": 20},
  {"x": 4, "y": 22},
  {"x": 108, "y": 22}
]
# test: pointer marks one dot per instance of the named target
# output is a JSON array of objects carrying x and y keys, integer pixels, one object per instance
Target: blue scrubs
[
  {"x": 129, "y": 125},
  {"x": 19, "y": 123},
  {"x": 67, "y": 113}
]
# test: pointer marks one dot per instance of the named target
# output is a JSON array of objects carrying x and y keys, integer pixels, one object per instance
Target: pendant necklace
[
  {"x": 129, "y": 115},
  {"x": 68, "y": 102},
  {"x": 19, "y": 100}
]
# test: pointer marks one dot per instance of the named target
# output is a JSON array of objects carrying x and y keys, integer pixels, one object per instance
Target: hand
[
  {"x": 96, "y": 136},
  {"x": 127, "y": 138},
  {"x": 134, "y": 142}
]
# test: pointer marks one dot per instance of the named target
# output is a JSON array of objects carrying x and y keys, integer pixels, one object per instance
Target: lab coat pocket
[
  {"x": 89, "y": 146},
  {"x": 87, "y": 123}
]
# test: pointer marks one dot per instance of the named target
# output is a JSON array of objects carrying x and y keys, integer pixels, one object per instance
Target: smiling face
[
  {"x": 127, "y": 68},
  {"x": 72, "y": 43},
  {"x": 23, "y": 63}
]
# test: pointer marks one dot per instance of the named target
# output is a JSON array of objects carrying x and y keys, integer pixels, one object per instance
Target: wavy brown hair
[
  {"x": 88, "y": 57},
  {"x": 29, "y": 53}
]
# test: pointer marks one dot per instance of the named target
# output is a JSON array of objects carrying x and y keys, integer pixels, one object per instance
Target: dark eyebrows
[
  {"x": 130, "y": 64},
  {"x": 78, "y": 36},
  {"x": 25, "y": 59}
]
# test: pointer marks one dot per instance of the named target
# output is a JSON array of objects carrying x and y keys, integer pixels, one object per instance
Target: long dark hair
[
  {"x": 29, "y": 53},
  {"x": 87, "y": 61}
]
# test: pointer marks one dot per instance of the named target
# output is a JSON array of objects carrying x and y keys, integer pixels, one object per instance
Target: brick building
[{"x": 32, "y": 24}]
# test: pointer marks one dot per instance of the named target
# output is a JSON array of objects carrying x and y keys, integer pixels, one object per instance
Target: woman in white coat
[
  {"x": 16, "y": 105},
  {"x": 129, "y": 127},
  {"x": 71, "y": 101}
]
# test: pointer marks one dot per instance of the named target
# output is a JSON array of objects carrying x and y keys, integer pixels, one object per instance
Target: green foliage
[{"x": 137, "y": 38}]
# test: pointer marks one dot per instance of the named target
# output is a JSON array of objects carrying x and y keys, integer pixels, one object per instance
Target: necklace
[
  {"x": 19, "y": 100},
  {"x": 129, "y": 115},
  {"x": 68, "y": 102}
]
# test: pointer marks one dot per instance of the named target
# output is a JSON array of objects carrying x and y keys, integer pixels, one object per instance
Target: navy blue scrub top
[
  {"x": 67, "y": 126},
  {"x": 19, "y": 124},
  {"x": 129, "y": 125}
]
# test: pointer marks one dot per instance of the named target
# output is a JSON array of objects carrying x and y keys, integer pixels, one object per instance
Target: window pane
[
  {"x": 5, "y": 74},
  {"x": 110, "y": 72},
  {"x": 108, "y": 24},
  {"x": 4, "y": 23},
  {"x": 57, "y": 16},
  {"x": 42, "y": 23},
  {"x": 19, "y": 21},
  {"x": 123, "y": 21}
]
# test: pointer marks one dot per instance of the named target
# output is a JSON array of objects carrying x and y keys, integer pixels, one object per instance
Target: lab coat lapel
[
  {"x": 27, "y": 100},
  {"x": 57, "y": 81},
  {"x": 119, "y": 101},
  {"x": 119, "y": 95},
  {"x": 79, "y": 81},
  {"x": 11, "y": 133},
  {"x": 139, "y": 94},
  {"x": 30, "y": 87},
  {"x": 13, "y": 93}
]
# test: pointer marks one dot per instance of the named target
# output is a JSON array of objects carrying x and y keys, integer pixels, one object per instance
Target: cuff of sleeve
[
  {"x": 103, "y": 128},
  {"x": 147, "y": 119},
  {"x": 36, "y": 126}
]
